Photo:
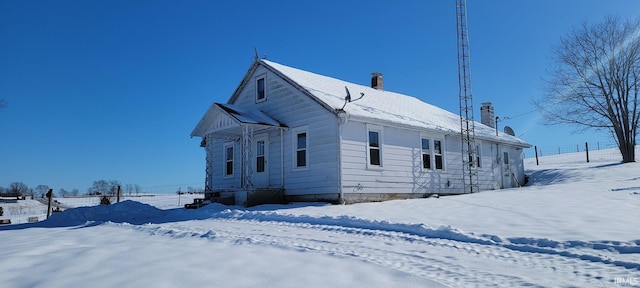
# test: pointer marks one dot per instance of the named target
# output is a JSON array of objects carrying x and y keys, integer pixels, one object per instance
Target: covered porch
[{"x": 249, "y": 130}]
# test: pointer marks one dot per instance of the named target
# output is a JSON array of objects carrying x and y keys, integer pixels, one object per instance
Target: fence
[
  {"x": 31, "y": 210},
  {"x": 580, "y": 153}
]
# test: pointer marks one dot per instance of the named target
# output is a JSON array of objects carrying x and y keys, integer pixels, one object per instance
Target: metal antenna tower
[{"x": 467, "y": 124}]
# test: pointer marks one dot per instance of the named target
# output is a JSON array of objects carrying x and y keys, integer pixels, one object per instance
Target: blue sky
[{"x": 112, "y": 89}]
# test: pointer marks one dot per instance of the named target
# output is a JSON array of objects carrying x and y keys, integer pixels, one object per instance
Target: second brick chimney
[{"x": 487, "y": 117}]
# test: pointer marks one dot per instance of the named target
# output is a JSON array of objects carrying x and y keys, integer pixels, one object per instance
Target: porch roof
[{"x": 221, "y": 117}]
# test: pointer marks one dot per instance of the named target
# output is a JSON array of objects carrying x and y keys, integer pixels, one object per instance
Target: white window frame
[
  {"x": 428, "y": 152},
  {"x": 262, "y": 77},
  {"x": 479, "y": 155},
  {"x": 295, "y": 149},
  {"x": 225, "y": 146},
  {"x": 380, "y": 148},
  {"x": 441, "y": 154},
  {"x": 263, "y": 155}
]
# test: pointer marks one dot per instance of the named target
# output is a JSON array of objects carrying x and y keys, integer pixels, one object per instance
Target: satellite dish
[
  {"x": 509, "y": 131},
  {"x": 348, "y": 97}
]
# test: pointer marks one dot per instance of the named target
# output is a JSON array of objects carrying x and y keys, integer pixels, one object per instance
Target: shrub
[{"x": 105, "y": 200}]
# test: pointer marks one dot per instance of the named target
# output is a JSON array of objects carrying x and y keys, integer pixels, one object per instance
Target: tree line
[{"x": 99, "y": 187}]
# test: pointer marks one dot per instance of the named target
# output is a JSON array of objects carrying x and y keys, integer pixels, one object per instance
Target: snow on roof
[
  {"x": 385, "y": 106},
  {"x": 249, "y": 116}
]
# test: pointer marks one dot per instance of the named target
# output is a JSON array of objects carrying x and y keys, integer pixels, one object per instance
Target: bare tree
[
  {"x": 595, "y": 81},
  {"x": 63, "y": 192},
  {"x": 17, "y": 189},
  {"x": 100, "y": 187},
  {"x": 41, "y": 190},
  {"x": 113, "y": 187}
]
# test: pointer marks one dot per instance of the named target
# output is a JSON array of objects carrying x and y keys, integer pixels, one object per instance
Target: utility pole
[{"x": 467, "y": 123}]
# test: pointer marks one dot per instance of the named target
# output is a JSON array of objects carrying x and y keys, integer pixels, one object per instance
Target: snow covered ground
[
  {"x": 575, "y": 225},
  {"x": 21, "y": 211}
]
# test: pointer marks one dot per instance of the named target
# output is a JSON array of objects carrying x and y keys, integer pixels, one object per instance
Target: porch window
[
  {"x": 260, "y": 159},
  {"x": 228, "y": 163},
  {"x": 374, "y": 148},
  {"x": 437, "y": 154},
  {"x": 301, "y": 149},
  {"x": 426, "y": 154},
  {"x": 261, "y": 94}
]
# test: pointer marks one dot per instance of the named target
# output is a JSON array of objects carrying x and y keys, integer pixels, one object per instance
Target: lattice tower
[{"x": 467, "y": 123}]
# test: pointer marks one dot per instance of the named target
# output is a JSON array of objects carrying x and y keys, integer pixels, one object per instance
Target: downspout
[
  {"x": 494, "y": 158},
  {"x": 281, "y": 159}
]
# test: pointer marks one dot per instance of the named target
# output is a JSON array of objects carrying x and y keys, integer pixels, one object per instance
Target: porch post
[
  {"x": 207, "y": 148},
  {"x": 247, "y": 156}
]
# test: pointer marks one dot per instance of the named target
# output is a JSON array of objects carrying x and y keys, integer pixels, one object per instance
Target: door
[
  {"x": 260, "y": 161},
  {"x": 506, "y": 171}
]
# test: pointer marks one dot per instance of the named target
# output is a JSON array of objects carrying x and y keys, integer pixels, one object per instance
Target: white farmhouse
[{"x": 291, "y": 135}]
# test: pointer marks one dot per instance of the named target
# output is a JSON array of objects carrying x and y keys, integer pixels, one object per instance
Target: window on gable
[
  {"x": 228, "y": 157},
  {"x": 261, "y": 94},
  {"x": 426, "y": 154},
  {"x": 374, "y": 148},
  {"x": 301, "y": 149},
  {"x": 437, "y": 154}
]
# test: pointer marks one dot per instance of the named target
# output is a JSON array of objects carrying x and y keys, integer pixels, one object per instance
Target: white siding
[
  {"x": 291, "y": 107},
  {"x": 401, "y": 170},
  {"x": 219, "y": 179},
  {"x": 338, "y": 153}
]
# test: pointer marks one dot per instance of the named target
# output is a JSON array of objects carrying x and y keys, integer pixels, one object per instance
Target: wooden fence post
[
  {"x": 118, "y": 201},
  {"x": 586, "y": 149},
  {"x": 49, "y": 195},
  {"x": 536, "y": 149}
]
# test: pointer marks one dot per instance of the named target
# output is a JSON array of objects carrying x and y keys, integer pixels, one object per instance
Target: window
[
  {"x": 228, "y": 157},
  {"x": 261, "y": 94},
  {"x": 260, "y": 159},
  {"x": 301, "y": 149},
  {"x": 426, "y": 154},
  {"x": 478, "y": 156},
  {"x": 437, "y": 154},
  {"x": 374, "y": 148}
]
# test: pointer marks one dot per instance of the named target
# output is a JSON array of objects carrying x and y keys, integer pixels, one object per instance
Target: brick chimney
[
  {"x": 376, "y": 80},
  {"x": 487, "y": 117}
]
